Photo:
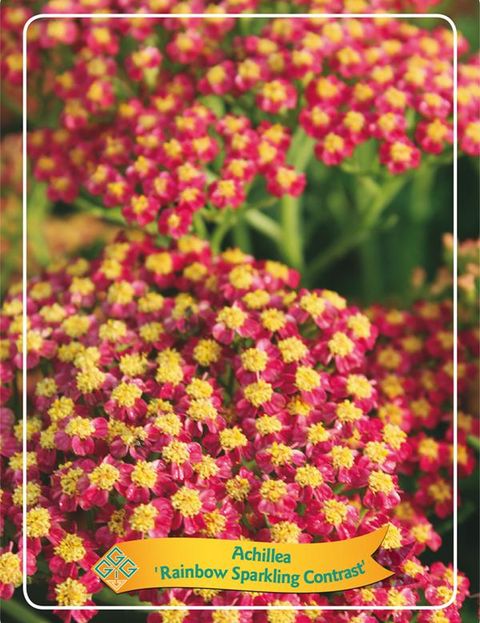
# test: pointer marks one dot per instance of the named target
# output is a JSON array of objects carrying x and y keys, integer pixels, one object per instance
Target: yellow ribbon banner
[{"x": 243, "y": 565}]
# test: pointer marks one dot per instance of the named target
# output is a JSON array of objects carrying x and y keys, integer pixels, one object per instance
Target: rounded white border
[{"x": 40, "y": 16}]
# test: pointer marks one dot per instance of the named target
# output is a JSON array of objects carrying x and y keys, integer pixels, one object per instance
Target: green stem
[
  {"x": 384, "y": 197},
  {"x": 199, "y": 226},
  {"x": 20, "y": 612},
  {"x": 341, "y": 247},
  {"x": 221, "y": 231},
  {"x": 413, "y": 253},
  {"x": 265, "y": 225},
  {"x": 369, "y": 215},
  {"x": 263, "y": 203},
  {"x": 241, "y": 237},
  {"x": 371, "y": 267},
  {"x": 291, "y": 246}
]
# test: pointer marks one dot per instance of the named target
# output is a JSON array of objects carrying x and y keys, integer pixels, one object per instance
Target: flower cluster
[
  {"x": 173, "y": 392},
  {"x": 198, "y": 114}
]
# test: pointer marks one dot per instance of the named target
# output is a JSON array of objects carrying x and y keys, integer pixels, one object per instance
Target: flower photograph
[{"x": 240, "y": 289}]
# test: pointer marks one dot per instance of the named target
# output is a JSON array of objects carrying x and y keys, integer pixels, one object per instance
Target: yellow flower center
[
  {"x": 33, "y": 493},
  {"x": 79, "y": 427},
  {"x": 285, "y": 532},
  {"x": 379, "y": 482},
  {"x": 215, "y": 523},
  {"x": 206, "y": 352},
  {"x": 232, "y": 317},
  {"x": 38, "y": 522},
  {"x": 216, "y": 75},
  {"x": 225, "y": 616},
  {"x": 126, "y": 394},
  {"x": 76, "y": 326},
  {"x": 187, "y": 502},
  {"x": 340, "y": 344},
  {"x": 46, "y": 388},
  {"x": 429, "y": 448},
  {"x": 308, "y": 476},
  {"x": 348, "y": 412},
  {"x": 274, "y": 91},
  {"x": 238, "y": 488},
  {"x": 176, "y": 452},
  {"x": 134, "y": 364},
  {"x": 10, "y": 569},
  {"x": 16, "y": 460},
  {"x": 144, "y": 474},
  {"x": 333, "y": 142},
  {"x": 160, "y": 263},
  {"x": 69, "y": 480},
  {"x": 201, "y": 410},
  {"x": 389, "y": 358},
  {"x": 90, "y": 379},
  {"x": 440, "y": 491},
  {"x": 104, "y": 476},
  {"x": 306, "y": 379},
  {"x": 53, "y": 313},
  {"x": 394, "y": 435},
  {"x": 71, "y": 548},
  {"x": 151, "y": 331},
  {"x": 71, "y": 593},
  {"x": 168, "y": 423},
  {"x": 254, "y": 360},
  {"x": 400, "y": 152},
  {"x": 256, "y": 299},
  {"x": 437, "y": 131},
  {"x": 273, "y": 320},
  {"x": 312, "y": 304},
  {"x": 206, "y": 468},
  {"x": 376, "y": 451},
  {"x": 393, "y": 538},
  {"x": 292, "y": 349},
  {"x": 231, "y": 438},
  {"x": 116, "y": 523},
  {"x": 258, "y": 393},
  {"x": 335, "y": 512},
  {"x": 112, "y": 330},
  {"x": 199, "y": 389},
  {"x": 143, "y": 518},
  {"x": 317, "y": 433},
  {"x": 342, "y": 457},
  {"x": 273, "y": 490},
  {"x": 395, "y": 598},
  {"x": 472, "y": 131},
  {"x": 359, "y": 386},
  {"x": 150, "y": 302},
  {"x": 392, "y": 386},
  {"x": 410, "y": 567},
  {"x": 359, "y": 325},
  {"x": 280, "y": 454},
  {"x": 267, "y": 424}
]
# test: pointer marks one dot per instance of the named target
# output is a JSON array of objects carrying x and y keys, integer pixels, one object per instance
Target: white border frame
[{"x": 439, "y": 16}]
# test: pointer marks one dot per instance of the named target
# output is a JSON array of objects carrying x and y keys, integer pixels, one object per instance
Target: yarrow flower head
[
  {"x": 222, "y": 402},
  {"x": 162, "y": 140}
]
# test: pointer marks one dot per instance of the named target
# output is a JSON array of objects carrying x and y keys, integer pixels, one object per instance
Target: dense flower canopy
[
  {"x": 168, "y": 117},
  {"x": 172, "y": 392},
  {"x": 178, "y": 390}
]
